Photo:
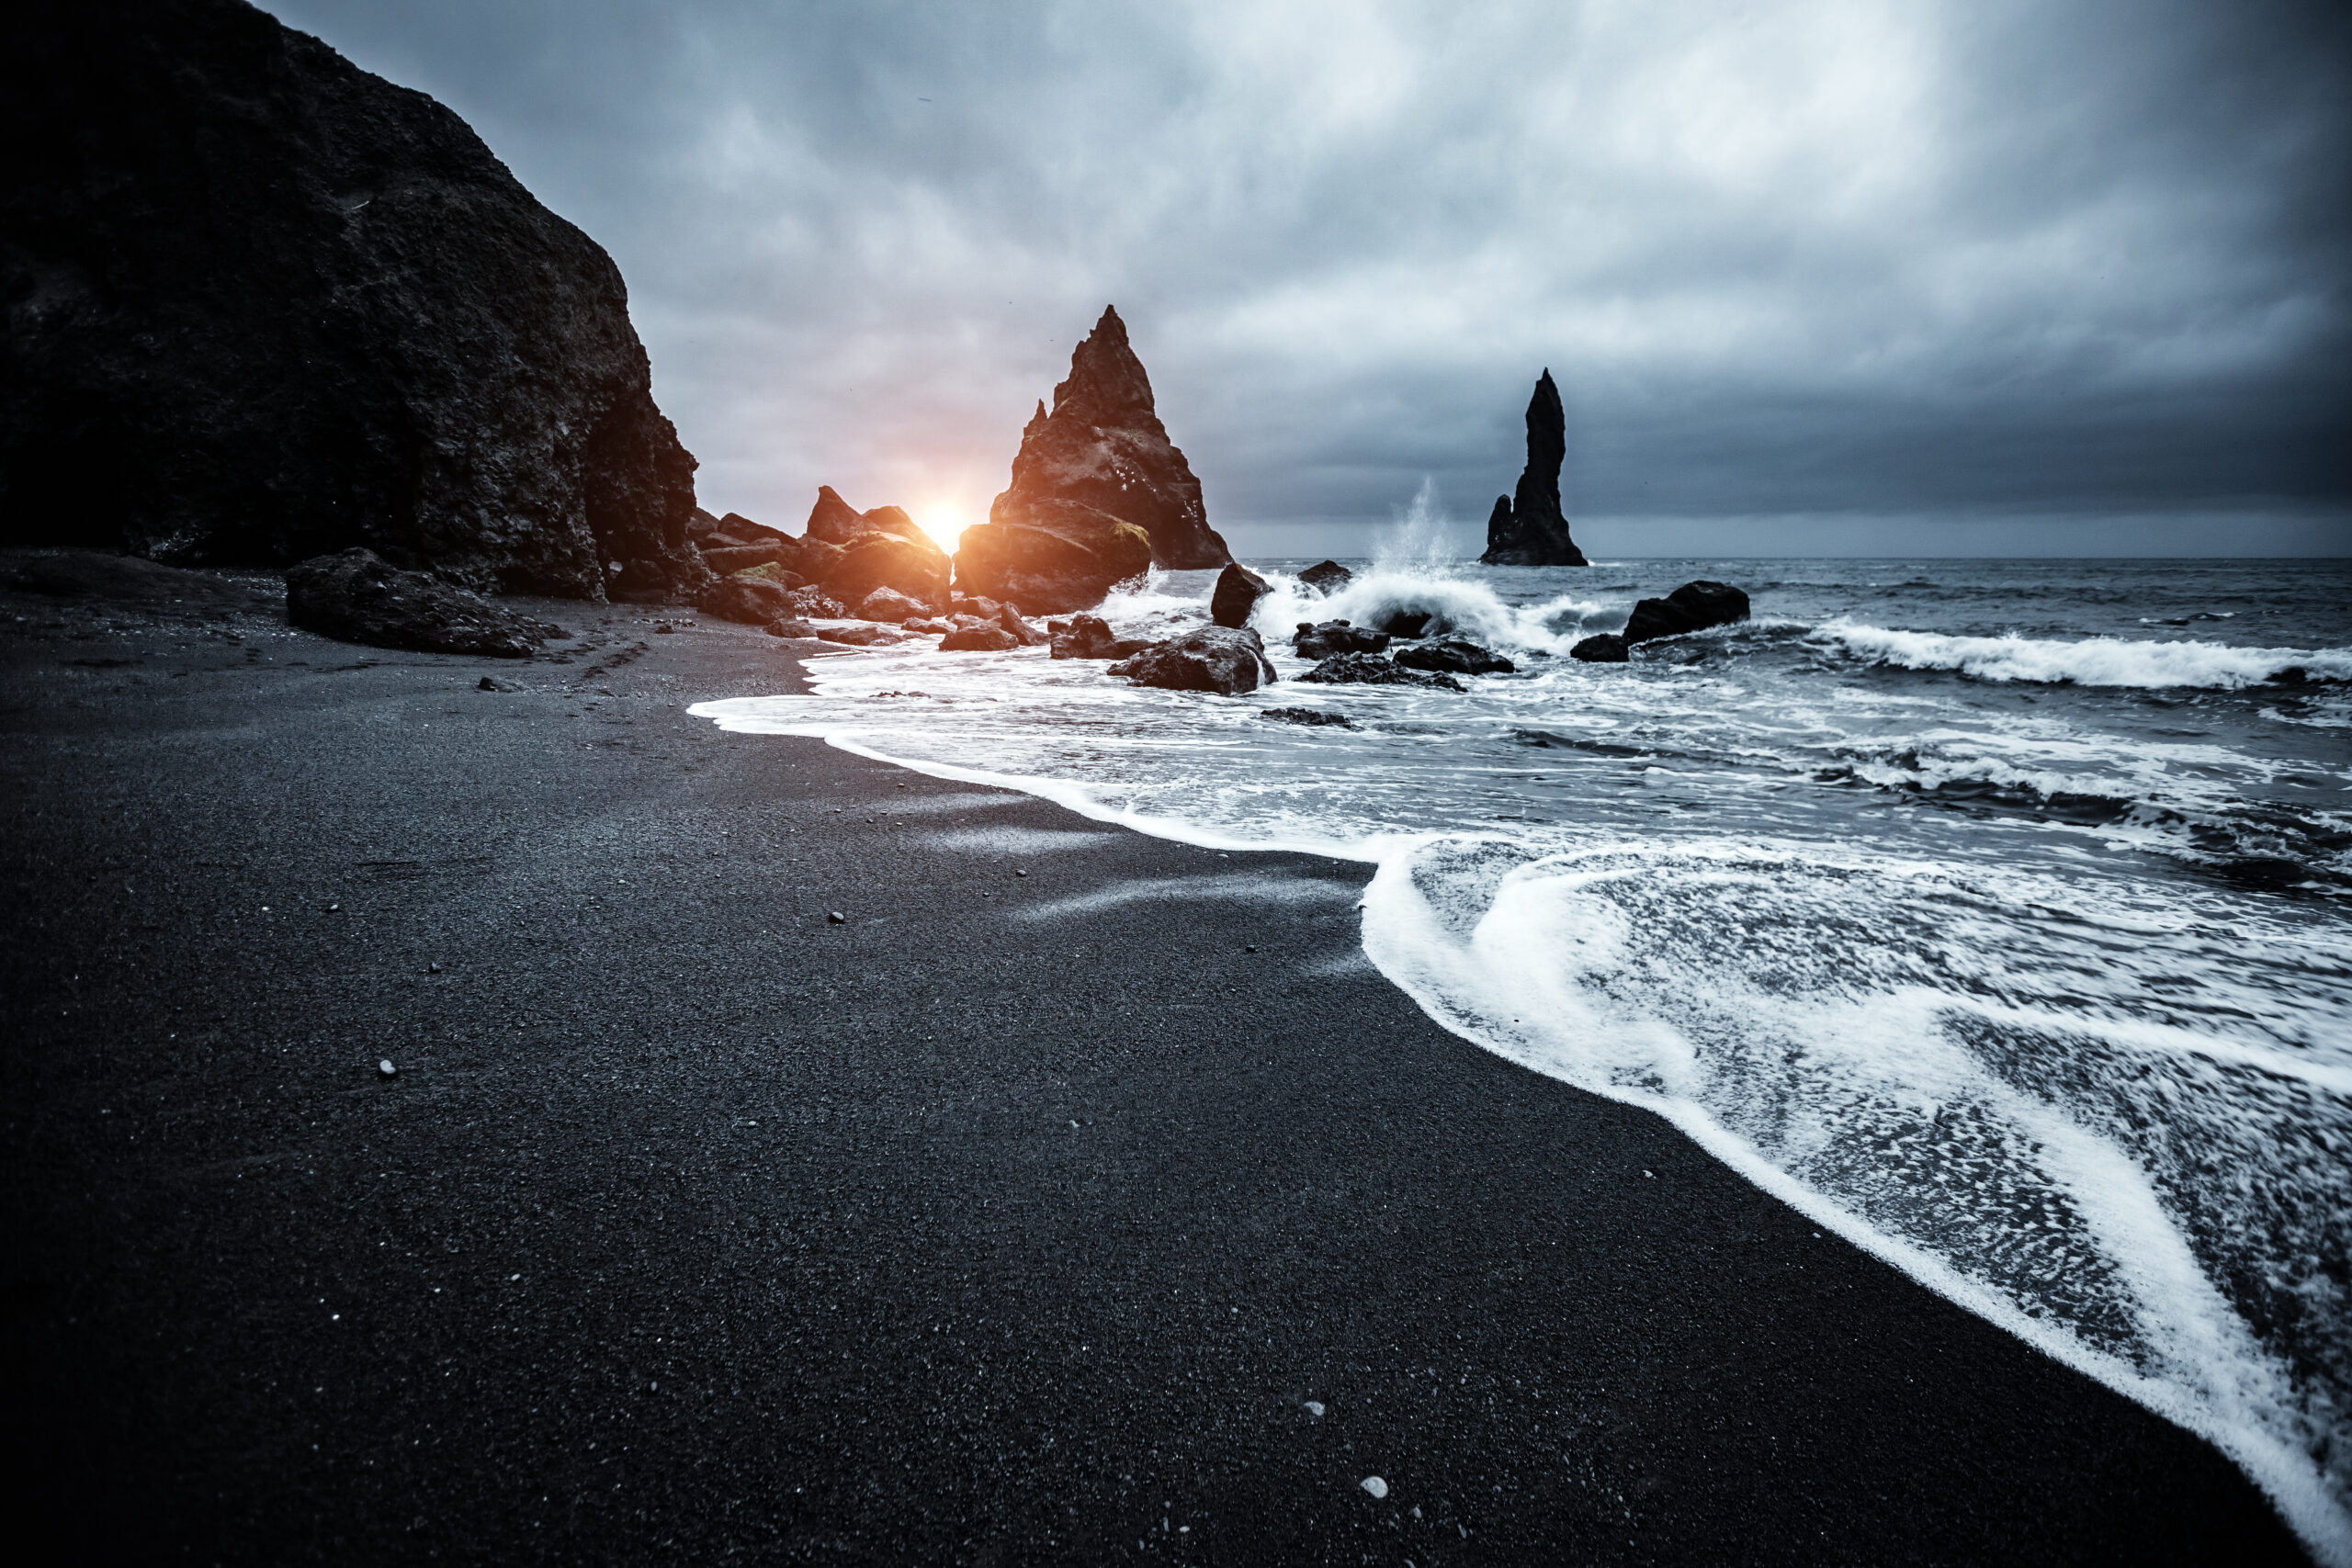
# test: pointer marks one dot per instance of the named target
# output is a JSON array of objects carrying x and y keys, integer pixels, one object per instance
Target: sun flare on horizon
[{"x": 944, "y": 523}]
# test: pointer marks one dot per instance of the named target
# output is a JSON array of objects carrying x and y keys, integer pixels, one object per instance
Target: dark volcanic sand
[{"x": 993, "y": 1226}]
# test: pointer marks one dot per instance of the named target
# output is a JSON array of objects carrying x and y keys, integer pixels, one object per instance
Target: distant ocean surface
[{"x": 1997, "y": 915}]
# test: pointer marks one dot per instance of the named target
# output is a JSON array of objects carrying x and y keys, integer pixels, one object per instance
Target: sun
[{"x": 945, "y": 525}]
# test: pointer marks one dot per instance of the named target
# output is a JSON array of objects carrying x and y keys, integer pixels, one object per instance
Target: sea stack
[
  {"x": 1099, "y": 492},
  {"x": 1527, "y": 528},
  {"x": 267, "y": 307}
]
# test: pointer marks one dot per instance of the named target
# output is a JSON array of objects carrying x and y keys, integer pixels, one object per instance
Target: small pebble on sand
[
  {"x": 1374, "y": 1485},
  {"x": 385, "y": 1068},
  {"x": 837, "y": 917}
]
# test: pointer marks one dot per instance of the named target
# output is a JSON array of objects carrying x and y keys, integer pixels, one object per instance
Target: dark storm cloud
[{"x": 1802, "y": 255}]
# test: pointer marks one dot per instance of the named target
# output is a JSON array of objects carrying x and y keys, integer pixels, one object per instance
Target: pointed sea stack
[
  {"x": 1098, "y": 491},
  {"x": 1528, "y": 528}
]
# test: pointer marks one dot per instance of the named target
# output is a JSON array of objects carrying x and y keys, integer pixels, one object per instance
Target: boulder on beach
[
  {"x": 1326, "y": 637},
  {"x": 752, "y": 601},
  {"x": 357, "y": 596},
  {"x": 1371, "y": 670},
  {"x": 1454, "y": 656},
  {"x": 890, "y": 605},
  {"x": 267, "y": 307},
  {"x": 1066, "y": 557},
  {"x": 1089, "y": 636},
  {"x": 1225, "y": 659},
  {"x": 789, "y": 626},
  {"x": 734, "y": 530},
  {"x": 1104, "y": 452},
  {"x": 970, "y": 605},
  {"x": 856, "y": 637},
  {"x": 728, "y": 559},
  {"x": 1326, "y": 577},
  {"x": 914, "y": 567},
  {"x": 1237, "y": 593},
  {"x": 988, "y": 639},
  {"x": 1604, "y": 647},
  {"x": 1692, "y": 607},
  {"x": 832, "y": 520},
  {"x": 1527, "y": 527}
]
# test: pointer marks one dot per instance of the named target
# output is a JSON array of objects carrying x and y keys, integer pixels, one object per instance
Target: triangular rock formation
[
  {"x": 1102, "y": 450},
  {"x": 1527, "y": 527}
]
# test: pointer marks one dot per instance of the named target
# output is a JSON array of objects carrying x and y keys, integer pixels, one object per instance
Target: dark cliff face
[
  {"x": 262, "y": 305},
  {"x": 1527, "y": 528},
  {"x": 1104, "y": 456}
]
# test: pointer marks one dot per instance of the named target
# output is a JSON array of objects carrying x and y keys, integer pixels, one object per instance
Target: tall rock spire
[
  {"x": 1527, "y": 527},
  {"x": 1103, "y": 451}
]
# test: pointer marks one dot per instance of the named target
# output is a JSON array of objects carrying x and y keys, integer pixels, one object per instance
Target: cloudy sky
[{"x": 1814, "y": 275}]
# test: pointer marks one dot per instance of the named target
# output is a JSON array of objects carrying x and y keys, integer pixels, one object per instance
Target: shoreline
[{"x": 1018, "y": 1216}]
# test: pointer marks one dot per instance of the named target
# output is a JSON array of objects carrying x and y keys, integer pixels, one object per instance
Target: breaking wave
[{"x": 2092, "y": 661}]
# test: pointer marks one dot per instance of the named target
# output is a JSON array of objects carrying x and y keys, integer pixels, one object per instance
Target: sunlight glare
[{"x": 943, "y": 524}]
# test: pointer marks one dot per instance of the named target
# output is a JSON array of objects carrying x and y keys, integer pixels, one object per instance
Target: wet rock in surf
[
  {"x": 854, "y": 637},
  {"x": 1089, "y": 636},
  {"x": 265, "y": 306},
  {"x": 964, "y": 604},
  {"x": 1454, "y": 656},
  {"x": 752, "y": 601},
  {"x": 1692, "y": 607},
  {"x": 1606, "y": 647},
  {"x": 1326, "y": 637},
  {"x": 1225, "y": 659},
  {"x": 889, "y": 605},
  {"x": 1326, "y": 577},
  {"x": 988, "y": 639},
  {"x": 1406, "y": 622},
  {"x": 1527, "y": 527},
  {"x": 1021, "y": 631},
  {"x": 1316, "y": 717},
  {"x": 356, "y": 596},
  {"x": 1371, "y": 670},
  {"x": 1237, "y": 593}
]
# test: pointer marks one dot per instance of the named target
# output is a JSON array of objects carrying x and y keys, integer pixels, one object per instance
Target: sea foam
[{"x": 2090, "y": 661}]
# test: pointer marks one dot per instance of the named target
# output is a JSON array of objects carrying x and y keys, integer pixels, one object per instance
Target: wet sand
[{"x": 1017, "y": 1218}]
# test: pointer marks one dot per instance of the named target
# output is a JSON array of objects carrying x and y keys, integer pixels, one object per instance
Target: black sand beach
[{"x": 1016, "y": 1219}]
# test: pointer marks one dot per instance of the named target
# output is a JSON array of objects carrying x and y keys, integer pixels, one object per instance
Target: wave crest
[{"x": 2090, "y": 661}]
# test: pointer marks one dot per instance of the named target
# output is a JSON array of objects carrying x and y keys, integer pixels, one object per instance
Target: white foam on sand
[{"x": 2015, "y": 1084}]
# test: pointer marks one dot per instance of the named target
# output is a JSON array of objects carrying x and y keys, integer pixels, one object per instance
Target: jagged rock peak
[
  {"x": 1107, "y": 384},
  {"x": 1527, "y": 527},
  {"x": 1099, "y": 461}
]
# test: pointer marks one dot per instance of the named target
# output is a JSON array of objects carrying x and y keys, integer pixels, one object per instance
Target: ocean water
[{"x": 1997, "y": 915}]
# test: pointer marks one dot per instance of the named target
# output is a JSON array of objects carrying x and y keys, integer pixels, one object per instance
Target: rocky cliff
[
  {"x": 262, "y": 305},
  {"x": 1527, "y": 527}
]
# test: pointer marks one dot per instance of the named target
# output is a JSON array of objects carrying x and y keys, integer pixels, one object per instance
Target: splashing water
[{"x": 1942, "y": 900}]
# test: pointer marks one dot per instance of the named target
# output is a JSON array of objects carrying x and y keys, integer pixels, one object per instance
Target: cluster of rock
[{"x": 1693, "y": 608}]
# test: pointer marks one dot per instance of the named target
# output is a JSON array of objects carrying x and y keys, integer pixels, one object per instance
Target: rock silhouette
[
  {"x": 265, "y": 306},
  {"x": 1097, "y": 477},
  {"x": 1692, "y": 607},
  {"x": 1527, "y": 528}
]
